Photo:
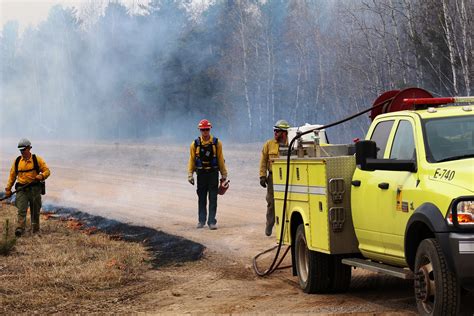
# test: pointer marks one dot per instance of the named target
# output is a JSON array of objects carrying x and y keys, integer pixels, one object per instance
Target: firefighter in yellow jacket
[
  {"x": 207, "y": 159},
  {"x": 28, "y": 171},
  {"x": 270, "y": 151}
]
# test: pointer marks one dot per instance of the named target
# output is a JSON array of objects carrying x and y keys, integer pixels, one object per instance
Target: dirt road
[{"x": 146, "y": 184}]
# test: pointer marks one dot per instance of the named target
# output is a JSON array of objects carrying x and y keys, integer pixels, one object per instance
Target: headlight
[{"x": 463, "y": 210}]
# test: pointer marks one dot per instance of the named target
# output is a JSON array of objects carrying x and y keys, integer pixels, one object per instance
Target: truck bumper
[{"x": 459, "y": 252}]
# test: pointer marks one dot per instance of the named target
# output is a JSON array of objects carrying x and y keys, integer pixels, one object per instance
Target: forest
[{"x": 102, "y": 71}]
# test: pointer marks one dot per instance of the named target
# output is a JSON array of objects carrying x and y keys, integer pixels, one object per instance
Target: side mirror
[
  {"x": 366, "y": 159},
  {"x": 365, "y": 149}
]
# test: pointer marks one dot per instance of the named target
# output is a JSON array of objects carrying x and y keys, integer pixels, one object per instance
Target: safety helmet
[
  {"x": 204, "y": 124},
  {"x": 24, "y": 143},
  {"x": 281, "y": 125}
]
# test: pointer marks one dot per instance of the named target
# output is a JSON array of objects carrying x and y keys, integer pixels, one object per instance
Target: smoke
[
  {"x": 63, "y": 80},
  {"x": 102, "y": 71},
  {"x": 111, "y": 72}
]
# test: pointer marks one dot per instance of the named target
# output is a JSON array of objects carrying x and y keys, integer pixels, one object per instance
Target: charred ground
[{"x": 165, "y": 249}]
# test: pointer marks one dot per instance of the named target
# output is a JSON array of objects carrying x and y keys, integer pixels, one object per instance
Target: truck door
[
  {"x": 400, "y": 191},
  {"x": 383, "y": 197},
  {"x": 369, "y": 202}
]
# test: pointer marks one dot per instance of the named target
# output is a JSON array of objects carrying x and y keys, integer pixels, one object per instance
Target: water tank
[{"x": 310, "y": 136}]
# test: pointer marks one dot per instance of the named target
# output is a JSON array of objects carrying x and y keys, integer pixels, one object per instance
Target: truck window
[
  {"x": 449, "y": 138},
  {"x": 380, "y": 136},
  {"x": 404, "y": 142}
]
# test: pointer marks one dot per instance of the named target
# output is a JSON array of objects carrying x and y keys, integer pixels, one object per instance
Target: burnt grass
[{"x": 165, "y": 249}]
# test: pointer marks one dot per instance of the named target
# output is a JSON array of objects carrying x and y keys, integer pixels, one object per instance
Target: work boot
[
  {"x": 18, "y": 232},
  {"x": 268, "y": 231},
  {"x": 212, "y": 226},
  {"x": 35, "y": 228},
  {"x": 200, "y": 225}
]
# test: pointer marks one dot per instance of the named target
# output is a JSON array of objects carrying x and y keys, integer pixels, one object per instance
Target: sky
[{"x": 32, "y": 12}]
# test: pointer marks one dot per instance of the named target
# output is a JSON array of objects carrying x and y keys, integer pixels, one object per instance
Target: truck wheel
[
  {"x": 436, "y": 288},
  {"x": 312, "y": 267},
  {"x": 341, "y": 274}
]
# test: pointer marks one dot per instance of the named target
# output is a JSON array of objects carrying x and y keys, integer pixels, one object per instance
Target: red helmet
[{"x": 203, "y": 124}]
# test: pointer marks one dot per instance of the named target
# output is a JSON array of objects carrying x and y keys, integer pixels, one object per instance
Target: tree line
[{"x": 243, "y": 64}]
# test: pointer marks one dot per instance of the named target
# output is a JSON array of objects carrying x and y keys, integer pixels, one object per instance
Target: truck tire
[
  {"x": 312, "y": 267},
  {"x": 340, "y": 274},
  {"x": 436, "y": 289}
]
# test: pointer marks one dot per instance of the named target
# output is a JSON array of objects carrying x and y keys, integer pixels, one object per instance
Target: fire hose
[{"x": 275, "y": 265}]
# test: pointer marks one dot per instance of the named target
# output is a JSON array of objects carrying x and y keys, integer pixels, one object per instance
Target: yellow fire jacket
[
  {"x": 270, "y": 151},
  {"x": 27, "y": 177},
  {"x": 220, "y": 157}
]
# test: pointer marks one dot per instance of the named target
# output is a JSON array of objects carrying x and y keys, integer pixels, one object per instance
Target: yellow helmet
[{"x": 281, "y": 125}]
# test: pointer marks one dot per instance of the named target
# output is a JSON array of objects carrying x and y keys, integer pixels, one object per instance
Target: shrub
[{"x": 7, "y": 243}]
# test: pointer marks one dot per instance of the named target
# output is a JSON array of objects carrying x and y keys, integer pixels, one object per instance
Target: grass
[{"x": 65, "y": 270}]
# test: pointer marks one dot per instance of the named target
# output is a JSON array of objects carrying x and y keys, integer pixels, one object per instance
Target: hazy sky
[{"x": 32, "y": 12}]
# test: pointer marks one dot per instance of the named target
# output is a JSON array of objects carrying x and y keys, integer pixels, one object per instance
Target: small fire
[
  {"x": 47, "y": 215},
  {"x": 74, "y": 224}
]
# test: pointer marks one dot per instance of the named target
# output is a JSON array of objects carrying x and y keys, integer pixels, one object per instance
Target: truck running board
[{"x": 379, "y": 267}]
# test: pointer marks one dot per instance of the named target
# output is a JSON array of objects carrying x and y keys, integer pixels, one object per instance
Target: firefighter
[
  {"x": 270, "y": 151},
  {"x": 207, "y": 159},
  {"x": 29, "y": 171}
]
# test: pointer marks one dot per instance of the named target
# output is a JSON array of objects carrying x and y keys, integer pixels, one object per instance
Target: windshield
[{"x": 449, "y": 138}]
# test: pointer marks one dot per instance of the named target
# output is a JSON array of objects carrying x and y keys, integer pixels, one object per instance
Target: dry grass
[{"x": 65, "y": 270}]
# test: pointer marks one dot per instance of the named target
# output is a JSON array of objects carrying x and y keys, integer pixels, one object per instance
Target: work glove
[
  {"x": 191, "y": 179},
  {"x": 8, "y": 192},
  {"x": 39, "y": 177},
  {"x": 263, "y": 181}
]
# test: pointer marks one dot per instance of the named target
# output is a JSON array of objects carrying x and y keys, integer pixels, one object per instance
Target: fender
[
  {"x": 296, "y": 218},
  {"x": 427, "y": 221},
  {"x": 297, "y": 211}
]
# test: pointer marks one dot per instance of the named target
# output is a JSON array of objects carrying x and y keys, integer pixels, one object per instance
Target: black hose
[
  {"x": 274, "y": 265},
  {"x": 268, "y": 272}
]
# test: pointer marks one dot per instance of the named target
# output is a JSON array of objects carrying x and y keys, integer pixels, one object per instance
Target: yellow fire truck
[{"x": 400, "y": 202}]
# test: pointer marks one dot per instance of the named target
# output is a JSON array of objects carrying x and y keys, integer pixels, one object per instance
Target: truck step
[{"x": 379, "y": 267}]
